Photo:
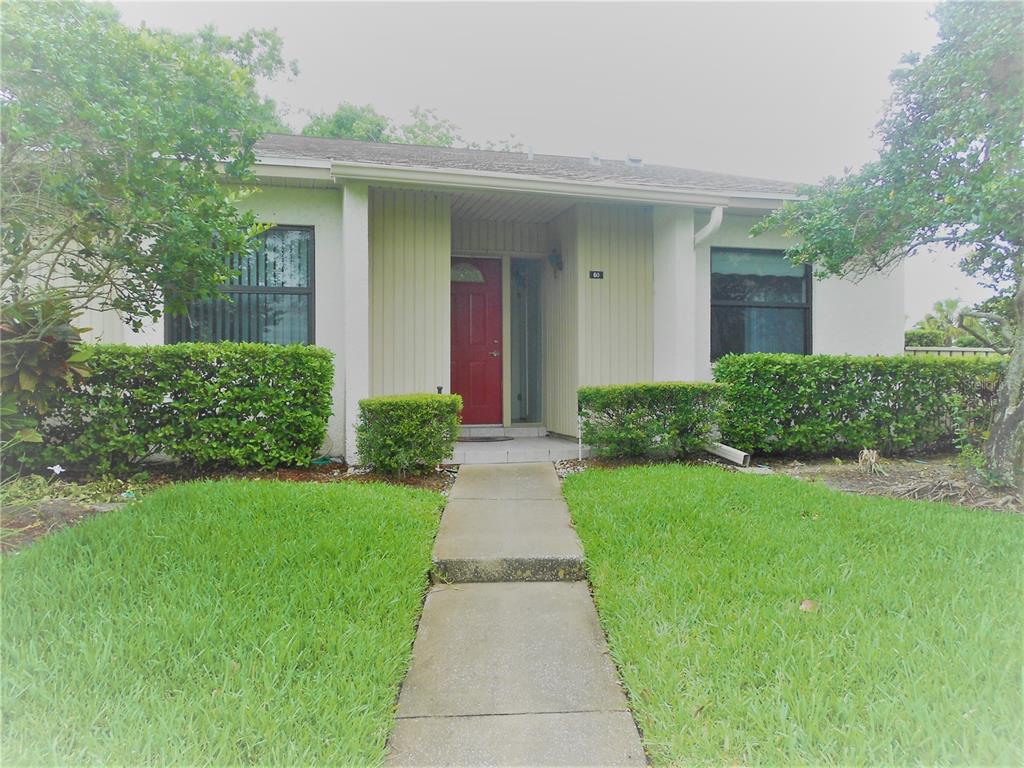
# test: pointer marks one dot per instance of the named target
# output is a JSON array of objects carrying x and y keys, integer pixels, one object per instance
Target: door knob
[{"x": 495, "y": 353}]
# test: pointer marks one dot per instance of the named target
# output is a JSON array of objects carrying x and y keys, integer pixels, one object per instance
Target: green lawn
[
  {"x": 217, "y": 623},
  {"x": 913, "y": 655}
]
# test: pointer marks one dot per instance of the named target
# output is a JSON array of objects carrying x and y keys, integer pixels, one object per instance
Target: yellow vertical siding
[
  {"x": 485, "y": 237},
  {"x": 616, "y": 334},
  {"x": 559, "y": 295},
  {"x": 410, "y": 263}
]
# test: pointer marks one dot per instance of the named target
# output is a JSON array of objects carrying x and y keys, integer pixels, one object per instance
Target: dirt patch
[
  {"x": 935, "y": 478},
  {"x": 24, "y": 523}
]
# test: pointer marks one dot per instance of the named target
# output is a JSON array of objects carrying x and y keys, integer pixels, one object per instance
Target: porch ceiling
[{"x": 511, "y": 207}]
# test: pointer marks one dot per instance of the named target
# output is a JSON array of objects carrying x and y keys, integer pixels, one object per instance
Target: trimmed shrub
[
  {"x": 661, "y": 419},
  {"x": 407, "y": 434},
  {"x": 204, "y": 405},
  {"x": 822, "y": 404},
  {"x": 917, "y": 337}
]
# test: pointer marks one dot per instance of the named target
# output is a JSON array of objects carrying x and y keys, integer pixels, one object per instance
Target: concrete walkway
[{"x": 510, "y": 665}]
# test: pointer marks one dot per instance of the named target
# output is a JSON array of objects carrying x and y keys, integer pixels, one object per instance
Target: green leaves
[
  {"x": 204, "y": 405},
  {"x": 950, "y": 168},
  {"x": 658, "y": 419},
  {"x": 824, "y": 404},
  {"x": 407, "y": 433},
  {"x": 116, "y": 145}
]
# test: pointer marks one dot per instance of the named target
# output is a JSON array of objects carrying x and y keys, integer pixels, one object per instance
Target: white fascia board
[
  {"x": 277, "y": 168},
  {"x": 515, "y": 182}
]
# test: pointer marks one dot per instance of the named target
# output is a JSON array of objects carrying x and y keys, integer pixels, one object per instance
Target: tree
[
  {"x": 116, "y": 145},
  {"x": 425, "y": 127},
  {"x": 429, "y": 129},
  {"x": 950, "y": 173},
  {"x": 349, "y": 121}
]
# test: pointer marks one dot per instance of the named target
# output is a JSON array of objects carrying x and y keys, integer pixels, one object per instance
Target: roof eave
[{"x": 461, "y": 179}]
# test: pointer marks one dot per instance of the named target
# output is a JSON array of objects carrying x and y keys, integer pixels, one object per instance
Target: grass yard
[
  {"x": 911, "y": 652},
  {"x": 217, "y": 623}
]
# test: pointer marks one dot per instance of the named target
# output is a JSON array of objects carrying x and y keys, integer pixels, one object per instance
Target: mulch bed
[{"x": 935, "y": 478}]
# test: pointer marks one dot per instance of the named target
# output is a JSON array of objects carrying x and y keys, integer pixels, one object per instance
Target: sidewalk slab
[
  {"x": 555, "y": 739},
  {"x": 507, "y": 481},
  {"x": 495, "y": 649},
  {"x": 501, "y": 540}
]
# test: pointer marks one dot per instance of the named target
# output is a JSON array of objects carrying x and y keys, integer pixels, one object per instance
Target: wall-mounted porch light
[{"x": 555, "y": 260}]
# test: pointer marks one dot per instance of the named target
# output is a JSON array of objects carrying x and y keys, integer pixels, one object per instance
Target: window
[
  {"x": 269, "y": 300},
  {"x": 760, "y": 302}
]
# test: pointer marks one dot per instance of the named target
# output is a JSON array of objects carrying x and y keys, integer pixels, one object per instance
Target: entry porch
[{"x": 513, "y": 300}]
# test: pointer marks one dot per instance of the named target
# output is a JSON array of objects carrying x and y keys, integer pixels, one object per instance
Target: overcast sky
[{"x": 780, "y": 90}]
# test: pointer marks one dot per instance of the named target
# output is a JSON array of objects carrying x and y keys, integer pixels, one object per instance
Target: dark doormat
[{"x": 476, "y": 439}]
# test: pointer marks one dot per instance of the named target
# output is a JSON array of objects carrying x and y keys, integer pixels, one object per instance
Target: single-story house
[{"x": 514, "y": 278}]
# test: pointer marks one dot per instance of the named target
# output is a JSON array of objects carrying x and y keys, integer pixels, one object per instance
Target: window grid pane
[{"x": 269, "y": 300}]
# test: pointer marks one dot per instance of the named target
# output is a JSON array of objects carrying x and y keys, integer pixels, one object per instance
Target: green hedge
[
  {"x": 821, "y": 404},
  {"x": 917, "y": 337},
  {"x": 663, "y": 419},
  {"x": 203, "y": 405},
  {"x": 404, "y": 434}
]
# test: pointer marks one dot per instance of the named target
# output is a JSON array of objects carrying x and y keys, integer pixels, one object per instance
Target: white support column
[
  {"x": 675, "y": 279},
  {"x": 355, "y": 257}
]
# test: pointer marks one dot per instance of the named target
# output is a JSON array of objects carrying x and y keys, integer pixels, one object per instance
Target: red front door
[{"x": 476, "y": 338}]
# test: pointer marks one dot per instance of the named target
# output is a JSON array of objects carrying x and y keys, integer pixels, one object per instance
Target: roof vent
[
  {"x": 529, "y": 153},
  {"x": 595, "y": 159},
  {"x": 634, "y": 162}
]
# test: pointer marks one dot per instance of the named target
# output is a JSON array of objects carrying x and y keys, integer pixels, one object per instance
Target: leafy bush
[
  {"x": 648, "y": 419},
  {"x": 404, "y": 434},
  {"x": 821, "y": 404},
  {"x": 918, "y": 337},
  {"x": 226, "y": 404}
]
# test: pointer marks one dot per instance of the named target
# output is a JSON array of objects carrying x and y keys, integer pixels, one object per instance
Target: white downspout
[{"x": 711, "y": 227}]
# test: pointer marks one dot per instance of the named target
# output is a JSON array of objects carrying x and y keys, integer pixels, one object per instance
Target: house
[{"x": 512, "y": 279}]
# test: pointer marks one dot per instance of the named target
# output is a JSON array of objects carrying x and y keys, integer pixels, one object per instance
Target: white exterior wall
[
  {"x": 320, "y": 209},
  {"x": 847, "y": 318},
  {"x": 675, "y": 294}
]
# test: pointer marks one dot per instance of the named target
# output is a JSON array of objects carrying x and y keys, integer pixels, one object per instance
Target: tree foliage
[
  {"x": 425, "y": 127},
  {"x": 950, "y": 173},
  {"x": 350, "y": 121},
  {"x": 115, "y": 145}
]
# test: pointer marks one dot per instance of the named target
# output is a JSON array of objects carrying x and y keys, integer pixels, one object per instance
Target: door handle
[{"x": 495, "y": 353}]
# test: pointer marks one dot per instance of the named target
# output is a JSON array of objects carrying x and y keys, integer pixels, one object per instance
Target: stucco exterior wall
[
  {"x": 321, "y": 209},
  {"x": 410, "y": 291},
  {"x": 847, "y": 318}
]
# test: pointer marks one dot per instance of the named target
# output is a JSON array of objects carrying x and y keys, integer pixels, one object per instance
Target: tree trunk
[{"x": 1005, "y": 447}]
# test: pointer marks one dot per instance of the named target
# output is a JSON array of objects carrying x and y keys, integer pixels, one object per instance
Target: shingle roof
[{"x": 555, "y": 167}]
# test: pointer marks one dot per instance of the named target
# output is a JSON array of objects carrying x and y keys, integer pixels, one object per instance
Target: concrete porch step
[
  {"x": 525, "y": 430},
  {"x": 519, "y": 450}
]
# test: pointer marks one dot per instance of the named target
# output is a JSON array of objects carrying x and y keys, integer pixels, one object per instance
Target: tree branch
[{"x": 1002, "y": 322}]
